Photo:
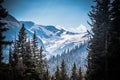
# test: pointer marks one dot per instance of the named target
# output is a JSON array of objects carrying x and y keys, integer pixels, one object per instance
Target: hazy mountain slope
[
  {"x": 54, "y": 40},
  {"x": 78, "y": 55}
]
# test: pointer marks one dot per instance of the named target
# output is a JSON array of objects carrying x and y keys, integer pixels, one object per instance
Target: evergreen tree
[
  {"x": 15, "y": 52},
  {"x": 29, "y": 71},
  {"x": 74, "y": 72},
  {"x": 35, "y": 49},
  {"x": 42, "y": 65},
  {"x": 80, "y": 76},
  {"x": 15, "y": 59},
  {"x": 39, "y": 60},
  {"x": 97, "y": 68},
  {"x": 10, "y": 57},
  {"x": 114, "y": 44},
  {"x": 47, "y": 75},
  {"x": 24, "y": 65},
  {"x": 28, "y": 56},
  {"x": 57, "y": 73},
  {"x": 22, "y": 37},
  {"x": 63, "y": 71},
  {"x": 3, "y": 28},
  {"x": 19, "y": 54},
  {"x": 11, "y": 73},
  {"x": 4, "y": 68}
]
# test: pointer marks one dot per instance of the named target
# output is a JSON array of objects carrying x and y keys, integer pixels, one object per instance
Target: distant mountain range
[{"x": 53, "y": 39}]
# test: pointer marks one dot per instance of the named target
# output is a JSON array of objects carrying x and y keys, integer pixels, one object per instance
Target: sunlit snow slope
[{"x": 53, "y": 39}]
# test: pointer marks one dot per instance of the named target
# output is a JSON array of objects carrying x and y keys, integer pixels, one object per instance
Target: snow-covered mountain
[
  {"x": 54, "y": 39},
  {"x": 76, "y": 55}
]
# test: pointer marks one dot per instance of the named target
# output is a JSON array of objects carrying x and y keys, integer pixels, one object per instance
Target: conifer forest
[{"x": 29, "y": 51}]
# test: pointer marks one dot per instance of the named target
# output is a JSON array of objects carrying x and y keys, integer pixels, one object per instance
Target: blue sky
[{"x": 66, "y": 13}]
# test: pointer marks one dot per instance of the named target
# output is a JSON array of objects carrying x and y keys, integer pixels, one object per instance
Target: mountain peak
[
  {"x": 60, "y": 27},
  {"x": 80, "y": 29}
]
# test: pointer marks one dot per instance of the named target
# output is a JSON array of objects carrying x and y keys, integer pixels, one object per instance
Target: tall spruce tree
[
  {"x": 15, "y": 52},
  {"x": 4, "y": 68},
  {"x": 15, "y": 59},
  {"x": 11, "y": 64},
  {"x": 28, "y": 55},
  {"x": 24, "y": 65},
  {"x": 97, "y": 68},
  {"x": 42, "y": 64},
  {"x": 10, "y": 57},
  {"x": 57, "y": 73},
  {"x": 47, "y": 75},
  {"x": 114, "y": 45},
  {"x": 74, "y": 75},
  {"x": 3, "y": 28},
  {"x": 22, "y": 37},
  {"x": 20, "y": 53},
  {"x": 29, "y": 71},
  {"x": 63, "y": 74},
  {"x": 35, "y": 49},
  {"x": 80, "y": 76}
]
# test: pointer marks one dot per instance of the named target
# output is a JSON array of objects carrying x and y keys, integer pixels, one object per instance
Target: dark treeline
[
  {"x": 61, "y": 73},
  {"x": 27, "y": 62},
  {"x": 77, "y": 54},
  {"x": 104, "y": 47}
]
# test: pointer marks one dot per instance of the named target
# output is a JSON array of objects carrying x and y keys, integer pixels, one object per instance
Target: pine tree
[
  {"x": 22, "y": 37},
  {"x": 23, "y": 62},
  {"x": 47, "y": 75},
  {"x": 19, "y": 53},
  {"x": 57, "y": 73},
  {"x": 3, "y": 28},
  {"x": 15, "y": 52},
  {"x": 35, "y": 49},
  {"x": 29, "y": 71},
  {"x": 63, "y": 71},
  {"x": 10, "y": 56},
  {"x": 42, "y": 65},
  {"x": 11, "y": 74},
  {"x": 74, "y": 72},
  {"x": 114, "y": 44},
  {"x": 4, "y": 68},
  {"x": 40, "y": 62},
  {"x": 80, "y": 76},
  {"x": 15, "y": 59},
  {"x": 28, "y": 55},
  {"x": 97, "y": 68}
]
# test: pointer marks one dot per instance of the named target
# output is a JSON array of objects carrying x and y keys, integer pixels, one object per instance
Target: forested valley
[{"x": 27, "y": 60}]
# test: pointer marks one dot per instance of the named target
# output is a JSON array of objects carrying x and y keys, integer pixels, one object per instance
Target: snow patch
[{"x": 80, "y": 29}]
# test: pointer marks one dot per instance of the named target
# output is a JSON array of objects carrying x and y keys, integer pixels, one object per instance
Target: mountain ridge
[{"x": 53, "y": 40}]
